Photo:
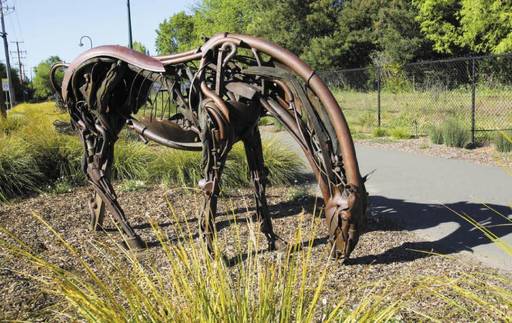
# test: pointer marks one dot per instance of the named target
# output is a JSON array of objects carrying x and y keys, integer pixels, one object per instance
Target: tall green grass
[
  {"x": 436, "y": 135},
  {"x": 45, "y": 158},
  {"x": 455, "y": 134}
]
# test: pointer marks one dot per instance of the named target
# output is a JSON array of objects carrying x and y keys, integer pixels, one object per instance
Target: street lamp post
[
  {"x": 81, "y": 44},
  {"x": 130, "y": 42}
]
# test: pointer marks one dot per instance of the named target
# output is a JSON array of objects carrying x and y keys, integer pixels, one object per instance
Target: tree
[
  {"x": 283, "y": 22},
  {"x": 399, "y": 35},
  {"x": 41, "y": 82},
  {"x": 467, "y": 26},
  {"x": 213, "y": 16},
  {"x": 439, "y": 23},
  {"x": 19, "y": 88},
  {"x": 486, "y": 26},
  {"x": 175, "y": 34},
  {"x": 139, "y": 47}
]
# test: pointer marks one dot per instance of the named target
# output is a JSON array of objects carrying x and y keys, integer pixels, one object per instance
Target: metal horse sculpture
[{"x": 208, "y": 99}]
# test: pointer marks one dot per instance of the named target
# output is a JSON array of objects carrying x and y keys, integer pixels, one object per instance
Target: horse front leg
[
  {"x": 214, "y": 160},
  {"x": 258, "y": 172},
  {"x": 99, "y": 155}
]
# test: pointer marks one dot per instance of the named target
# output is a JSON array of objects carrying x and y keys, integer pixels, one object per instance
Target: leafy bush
[
  {"x": 436, "y": 135},
  {"x": 379, "y": 132},
  {"x": 503, "y": 141},
  {"x": 454, "y": 134},
  {"x": 399, "y": 133}
]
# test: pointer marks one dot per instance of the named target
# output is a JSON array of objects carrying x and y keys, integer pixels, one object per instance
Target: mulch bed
[{"x": 382, "y": 254}]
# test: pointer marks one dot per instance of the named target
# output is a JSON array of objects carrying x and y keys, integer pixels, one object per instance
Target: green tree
[
  {"x": 283, "y": 22},
  {"x": 213, "y": 16},
  {"x": 439, "y": 22},
  {"x": 139, "y": 47},
  {"x": 175, "y": 34},
  {"x": 19, "y": 88},
  {"x": 41, "y": 82},
  {"x": 467, "y": 26},
  {"x": 486, "y": 25}
]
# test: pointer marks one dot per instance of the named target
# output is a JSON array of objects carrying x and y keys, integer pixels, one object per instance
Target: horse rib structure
[{"x": 206, "y": 100}]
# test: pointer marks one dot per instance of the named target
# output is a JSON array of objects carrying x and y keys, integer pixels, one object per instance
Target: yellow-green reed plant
[
  {"x": 186, "y": 284},
  {"x": 487, "y": 293}
]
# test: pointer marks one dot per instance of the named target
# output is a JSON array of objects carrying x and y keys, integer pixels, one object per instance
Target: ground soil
[{"x": 382, "y": 254}]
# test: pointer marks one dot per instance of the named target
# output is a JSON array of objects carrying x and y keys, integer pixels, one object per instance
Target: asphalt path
[{"x": 424, "y": 194}]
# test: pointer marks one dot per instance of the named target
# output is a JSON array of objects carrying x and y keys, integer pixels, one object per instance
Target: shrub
[
  {"x": 19, "y": 172},
  {"x": 10, "y": 124},
  {"x": 379, "y": 132},
  {"x": 271, "y": 121},
  {"x": 436, "y": 135},
  {"x": 366, "y": 120},
  {"x": 47, "y": 159},
  {"x": 503, "y": 141},
  {"x": 399, "y": 133},
  {"x": 454, "y": 134}
]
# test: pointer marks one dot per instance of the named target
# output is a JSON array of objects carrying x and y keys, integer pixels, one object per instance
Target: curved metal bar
[
  {"x": 318, "y": 86},
  {"x": 144, "y": 131},
  {"x": 218, "y": 100}
]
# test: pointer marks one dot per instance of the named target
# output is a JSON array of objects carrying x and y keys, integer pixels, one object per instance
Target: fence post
[
  {"x": 473, "y": 103},
  {"x": 378, "y": 95}
]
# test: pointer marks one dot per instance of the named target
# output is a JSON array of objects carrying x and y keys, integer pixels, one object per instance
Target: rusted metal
[{"x": 218, "y": 98}]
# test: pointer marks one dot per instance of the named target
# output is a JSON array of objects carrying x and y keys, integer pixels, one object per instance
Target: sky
[{"x": 54, "y": 27}]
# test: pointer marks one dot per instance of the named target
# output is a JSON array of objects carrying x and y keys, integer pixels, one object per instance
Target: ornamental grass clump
[
  {"x": 455, "y": 134},
  {"x": 436, "y": 135},
  {"x": 103, "y": 282},
  {"x": 47, "y": 158},
  {"x": 111, "y": 284},
  {"x": 19, "y": 173},
  {"x": 503, "y": 141}
]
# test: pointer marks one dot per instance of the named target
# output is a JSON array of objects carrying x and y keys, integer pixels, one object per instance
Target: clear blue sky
[{"x": 54, "y": 27}]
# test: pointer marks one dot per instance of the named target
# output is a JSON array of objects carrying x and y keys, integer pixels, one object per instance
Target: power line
[
  {"x": 6, "y": 49},
  {"x": 19, "y": 52}
]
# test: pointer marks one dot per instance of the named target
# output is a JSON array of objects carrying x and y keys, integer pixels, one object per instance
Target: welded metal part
[{"x": 208, "y": 99}]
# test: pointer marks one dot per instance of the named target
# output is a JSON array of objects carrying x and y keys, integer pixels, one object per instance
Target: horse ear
[{"x": 365, "y": 177}]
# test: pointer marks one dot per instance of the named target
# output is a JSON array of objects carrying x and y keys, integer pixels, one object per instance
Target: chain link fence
[{"x": 475, "y": 92}]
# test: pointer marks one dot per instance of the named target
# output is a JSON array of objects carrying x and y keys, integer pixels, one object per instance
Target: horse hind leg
[{"x": 254, "y": 153}]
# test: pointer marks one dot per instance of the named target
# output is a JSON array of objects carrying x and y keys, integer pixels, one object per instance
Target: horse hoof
[
  {"x": 135, "y": 243},
  {"x": 277, "y": 244}
]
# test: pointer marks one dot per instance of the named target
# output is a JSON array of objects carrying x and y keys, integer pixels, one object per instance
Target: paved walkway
[{"x": 417, "y": 190}]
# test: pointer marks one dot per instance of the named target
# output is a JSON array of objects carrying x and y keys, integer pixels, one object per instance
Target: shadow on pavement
[{"x": 416, "y": 216}]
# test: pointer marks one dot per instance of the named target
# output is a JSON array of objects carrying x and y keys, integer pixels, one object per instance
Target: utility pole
[
  {"x": 130, "y": 43},
  {"x": 18, "y": 52},
  {"x": 7, "y": 61}
]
